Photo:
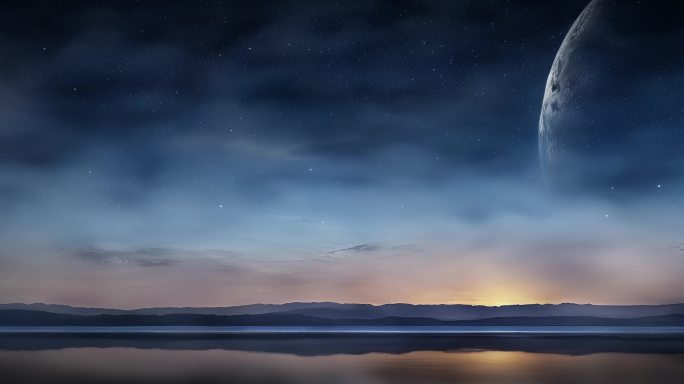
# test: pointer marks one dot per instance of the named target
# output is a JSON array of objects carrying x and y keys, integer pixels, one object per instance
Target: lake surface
[
  {"x": 354, "y": 358},
  {"x": 592, "y": 330}
]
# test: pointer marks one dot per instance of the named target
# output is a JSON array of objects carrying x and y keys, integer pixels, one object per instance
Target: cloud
[
  {"x": 146, "y": 257},
  {"x": 297, "y": 128},
  {"x": 358, "y": 248}
]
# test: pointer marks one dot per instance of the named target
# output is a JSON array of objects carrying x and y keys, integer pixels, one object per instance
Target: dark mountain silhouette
[
  {"x": 15, "y": 317},
  {"x": 251, "y": 309},
  {"x": 328, "y": 310}
]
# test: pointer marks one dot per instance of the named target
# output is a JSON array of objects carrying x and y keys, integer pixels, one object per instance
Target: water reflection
[
  {"x": 126, "y": 364},
  {"x": 313, "y": 344}
]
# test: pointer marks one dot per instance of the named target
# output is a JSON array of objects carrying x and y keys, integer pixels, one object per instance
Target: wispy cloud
[
  {"x": 367, "y": 247},
  {"x": 144, "y": 257}
]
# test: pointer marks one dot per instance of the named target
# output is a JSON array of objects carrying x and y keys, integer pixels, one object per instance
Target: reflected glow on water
[{"x": 129, "y": 365}]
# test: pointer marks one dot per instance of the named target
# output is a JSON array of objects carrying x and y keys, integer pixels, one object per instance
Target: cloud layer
[{"x": 227, "y": 153}]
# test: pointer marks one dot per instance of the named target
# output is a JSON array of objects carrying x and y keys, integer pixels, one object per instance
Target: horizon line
[{"x": 347, "y": 303}]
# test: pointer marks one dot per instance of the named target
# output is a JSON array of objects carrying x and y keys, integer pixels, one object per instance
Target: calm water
[
  {"x": 340, "y": 358},
  {"x": 592, "y": 330}
]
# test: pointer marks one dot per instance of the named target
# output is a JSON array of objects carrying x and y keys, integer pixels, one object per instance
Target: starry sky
[{"x": 219, "y": 153}]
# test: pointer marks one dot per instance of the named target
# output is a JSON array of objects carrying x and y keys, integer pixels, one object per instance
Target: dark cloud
[
  {"x": 340, "y": 78},
  {"x": 358, "y": 248},
  {"x": 146, "y": 257}
]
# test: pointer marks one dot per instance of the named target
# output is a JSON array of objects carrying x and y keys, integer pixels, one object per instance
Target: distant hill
[
  {"x": 18, "y": 317},
  {"x": 328, "y": 310},
  {"x": 251, "y": 309}
]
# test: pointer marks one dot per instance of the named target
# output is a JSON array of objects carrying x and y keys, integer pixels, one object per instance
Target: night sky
[{"x": 219, "y": 153}]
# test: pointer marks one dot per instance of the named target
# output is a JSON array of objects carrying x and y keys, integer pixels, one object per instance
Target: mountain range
[{"x": 336, "y": 314}]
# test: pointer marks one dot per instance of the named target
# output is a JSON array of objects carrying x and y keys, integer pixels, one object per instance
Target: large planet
[{"x": 612, "y": 118}]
